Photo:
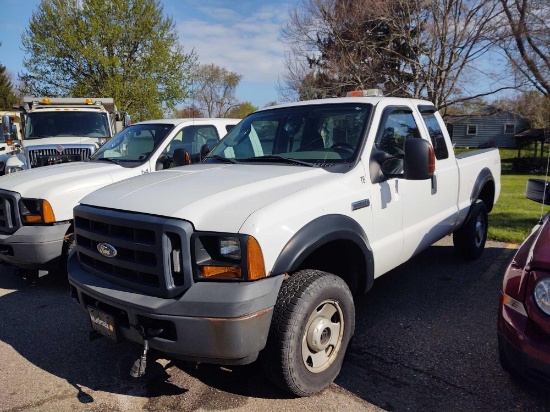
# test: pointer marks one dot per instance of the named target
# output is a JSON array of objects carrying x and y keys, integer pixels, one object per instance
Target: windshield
[
  {"x": 134, "y": 143},
  {"x": 316, "y": 134},
  {"x": 39, "y": 125}
]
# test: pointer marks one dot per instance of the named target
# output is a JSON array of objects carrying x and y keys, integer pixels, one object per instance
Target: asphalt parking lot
[{"x": 425, "y": 340}]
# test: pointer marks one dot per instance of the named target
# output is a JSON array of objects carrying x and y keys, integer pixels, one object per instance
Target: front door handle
[{"x": 434, "y": 184}]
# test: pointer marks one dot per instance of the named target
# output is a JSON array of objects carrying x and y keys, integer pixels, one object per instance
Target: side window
[
  {"x": 397, "y": 126},
  {"x": 436, "y": 135},
  {"x": 174, "y": 144},
  {"x": 192, "y": 138}
]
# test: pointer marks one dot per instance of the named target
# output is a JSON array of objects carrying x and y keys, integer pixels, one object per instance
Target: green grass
[{"x": 514, "y": 215}]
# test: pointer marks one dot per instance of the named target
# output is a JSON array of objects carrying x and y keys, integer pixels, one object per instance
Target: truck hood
[
  {"x": 52, "y": 182},
  {"x": 59, "y": 140},
  {"x": 211, "y": 196}
]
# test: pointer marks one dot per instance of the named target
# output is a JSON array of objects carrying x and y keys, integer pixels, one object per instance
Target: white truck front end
[
  {"x": 36, "y": 206},
  {"x": 62, "y": 130}
]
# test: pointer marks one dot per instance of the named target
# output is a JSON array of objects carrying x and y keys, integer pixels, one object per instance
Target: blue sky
[{"x": 240, "y": 35}]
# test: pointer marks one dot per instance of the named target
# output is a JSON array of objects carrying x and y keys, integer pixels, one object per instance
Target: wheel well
[
  {"x": 342, "y": 258},
  {"x": 487, "y": 194}
]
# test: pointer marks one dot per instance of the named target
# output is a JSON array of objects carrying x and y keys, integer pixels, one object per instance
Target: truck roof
[
  {"x": 200, "y": 120},
  {"x": 339, "y": 100},
  {"x": 84, "y": 102}
]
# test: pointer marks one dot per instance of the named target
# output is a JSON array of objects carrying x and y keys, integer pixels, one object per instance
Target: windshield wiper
[
  {"x": 108, "y": 159},
  {"x": 223, "y": 159},
  {"x": 278, "y": 158}
]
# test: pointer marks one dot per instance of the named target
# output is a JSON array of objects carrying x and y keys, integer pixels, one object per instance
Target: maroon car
[{"x": 524, "y": 311}]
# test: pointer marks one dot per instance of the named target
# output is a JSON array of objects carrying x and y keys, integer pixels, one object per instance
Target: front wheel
[
  {"x": 69, "y": 243},
  {"x": 313, "y": 321},
  {"x": 469, "y": 240}
]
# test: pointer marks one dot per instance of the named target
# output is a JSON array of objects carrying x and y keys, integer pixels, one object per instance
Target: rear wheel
[
  {"x": 469, "y": 240},
  {"x": 313, "y": 321}
]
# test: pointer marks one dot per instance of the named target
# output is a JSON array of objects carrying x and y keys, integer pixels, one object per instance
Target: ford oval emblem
[
  {"x": 59, "y": 148},
  {"x": 106, "y": 250}
]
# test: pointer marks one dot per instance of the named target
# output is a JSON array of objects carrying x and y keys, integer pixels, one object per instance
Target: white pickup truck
[
  {"x": 36, "y": 205},
  {"x": 258, "y": 250}
]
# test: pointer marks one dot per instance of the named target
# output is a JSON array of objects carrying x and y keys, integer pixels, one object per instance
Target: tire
[
  {"x": 503, "y": 359},
  {"x": 469, "y": 240},
  {"x": 313, "y": 321},
  {"x": 68, "y": 246},
  {"x": 538, "y": 190}
]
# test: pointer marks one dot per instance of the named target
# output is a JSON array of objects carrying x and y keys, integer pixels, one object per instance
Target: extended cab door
[
  {"x": 430, "y": 206},
  {"x": 446, "y": 176},
  {"x": 402, "y": 209}
]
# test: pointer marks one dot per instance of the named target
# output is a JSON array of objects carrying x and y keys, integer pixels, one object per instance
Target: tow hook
[{"x": 138, "y": 368}]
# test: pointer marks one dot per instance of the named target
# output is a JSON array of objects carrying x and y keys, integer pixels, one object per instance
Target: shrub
[{"x": 529, "y": 165}]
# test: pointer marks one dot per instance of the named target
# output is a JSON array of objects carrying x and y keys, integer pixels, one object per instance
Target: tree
[
  {"x": 526, "y": 41},
  {"x": 342, "y": 45},
  {"x": 7, "y": 95},
  {"x": 125, "y": 49},
  {"x": 242, "y": 110},
  {"x": 408, "y": 48},
  {"x": 188, "y": 112},
  {"x": 531, "y": 105},
  {"x": 215, "y": 90}
]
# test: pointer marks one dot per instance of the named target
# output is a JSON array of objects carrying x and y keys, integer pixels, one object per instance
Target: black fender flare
[
  {"x": 484, "y": 176},
  {"x": 319, "y": 232}
]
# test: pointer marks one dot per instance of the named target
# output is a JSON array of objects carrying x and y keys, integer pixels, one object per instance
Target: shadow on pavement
[
  {"x": 425, "y": 338},
  {"x": 41, "y": 322}
]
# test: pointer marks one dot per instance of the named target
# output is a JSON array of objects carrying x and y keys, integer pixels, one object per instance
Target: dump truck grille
[
  {"x": 45, "y": 157},
  {"x": 145, "y": 253}
]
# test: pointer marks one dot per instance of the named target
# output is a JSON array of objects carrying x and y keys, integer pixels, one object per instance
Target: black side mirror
[
  {"x": 419, "y": 162},
  {"x": 163, "y": 162},
  {"x": 6, "y": 127},
  {"x": 181, "y": 157},
  {"x": 205, "y": 149}
]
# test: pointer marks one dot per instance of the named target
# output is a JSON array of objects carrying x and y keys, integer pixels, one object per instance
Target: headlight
[
  {"x": 13, "y": 169},
  {"x": 102, "y": 140},
  {"x": 542, "y": 295},
  {"x": 36, "y": 211},
  {"x": 230, "y": 257}
]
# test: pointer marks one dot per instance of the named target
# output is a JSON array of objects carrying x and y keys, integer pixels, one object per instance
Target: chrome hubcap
[
  {"x": 480, "y": 231},
  {"x": 323, "y": 336}
]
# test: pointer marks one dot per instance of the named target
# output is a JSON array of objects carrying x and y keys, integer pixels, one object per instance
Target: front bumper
[
  {"x": 213, "y": 322},
  {"x": 525, "y": 347},
  {"x": 34, "y": 247}
]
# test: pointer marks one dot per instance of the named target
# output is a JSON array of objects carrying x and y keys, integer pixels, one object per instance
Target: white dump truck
[
  {"x": 12, "y": 134},
  {"x": 62, "y": 130}
]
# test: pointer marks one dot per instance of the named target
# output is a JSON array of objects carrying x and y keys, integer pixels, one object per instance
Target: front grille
[
  {"x": 9, "y": 212},
  {"x": 138, "y": 250},
  {"x": 45, "y": 157}
]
